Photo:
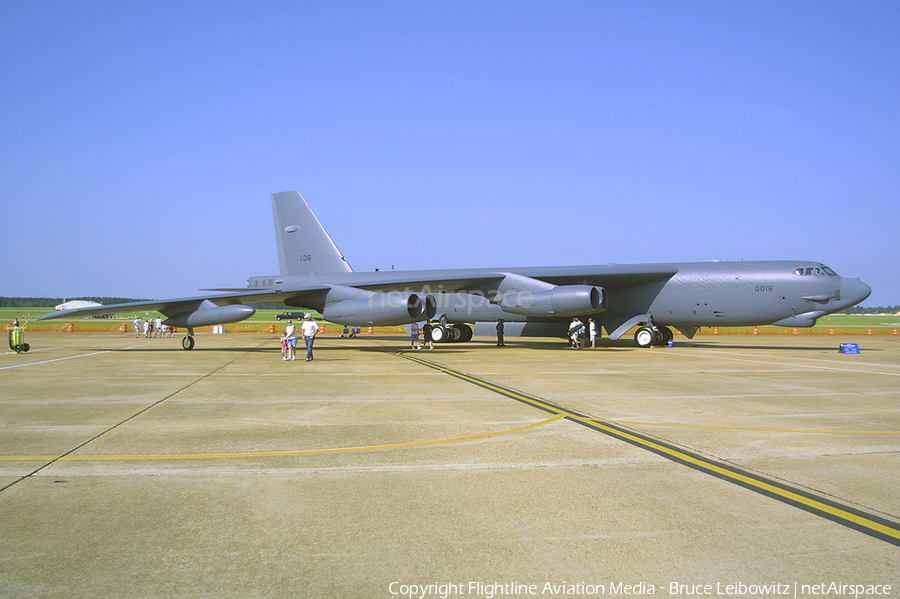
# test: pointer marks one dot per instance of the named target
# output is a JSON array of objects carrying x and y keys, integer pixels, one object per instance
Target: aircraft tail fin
[{"x": 304, "y": 247}]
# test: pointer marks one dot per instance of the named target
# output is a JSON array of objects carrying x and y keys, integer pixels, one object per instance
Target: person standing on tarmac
[
  {"x": 290, "y": 335},
  {"x": 592, "y": 331},
  {"x": 500, "y": 342},
  {"x": 426, "y": 333},
  {"x": 310, "y": 330},
  {"x": 575, "y": 332},
  {"x": 413, "y": 330}
]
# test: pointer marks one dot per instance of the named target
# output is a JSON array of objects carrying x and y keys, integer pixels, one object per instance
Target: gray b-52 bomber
[{"x": 534, "y": 301}]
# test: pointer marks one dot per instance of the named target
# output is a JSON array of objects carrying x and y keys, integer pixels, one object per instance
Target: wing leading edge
[{"x": 173, "y": 307}]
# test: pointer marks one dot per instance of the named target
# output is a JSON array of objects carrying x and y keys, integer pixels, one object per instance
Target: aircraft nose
[{"x": 853, "y": 291}]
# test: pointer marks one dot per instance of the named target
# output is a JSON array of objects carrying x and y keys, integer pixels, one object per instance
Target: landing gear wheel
[
  {"x": 665, "y": 334},
  {"x": 454, "y": 334},
  {"x": 645, "y": 336},
  {"x": 439, "y": 334},
  {"x": 465, "y": 332},
  {"x": 187, "y": 343}
]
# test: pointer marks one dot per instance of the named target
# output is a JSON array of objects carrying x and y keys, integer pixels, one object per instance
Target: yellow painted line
[
  {"x": 757, "y": 430},
  {"x": 874, "y": 526},
  {"x": 751, "y": 481},
  {"x": 266, "y": 454},
  {"x": 489, "y": 386}
]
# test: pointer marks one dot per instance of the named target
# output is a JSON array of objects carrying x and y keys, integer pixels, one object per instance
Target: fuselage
[
  {"x": 786, "y": 293},
  {"x": 754, "y": 293}
]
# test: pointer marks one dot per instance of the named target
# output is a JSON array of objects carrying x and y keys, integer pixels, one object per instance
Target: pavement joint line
[
  {"x": 34, "y": 351},
  {"x": 813, "y": 366},
  {"x": 729, "y": 354},
  {"x": 869, "y": 524},
  {"x": 58, "y": 359},
  {"x": 115, "y": 426}
]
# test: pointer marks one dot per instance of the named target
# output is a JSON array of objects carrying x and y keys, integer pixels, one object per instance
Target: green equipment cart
[{"x": 17, "y": 341}]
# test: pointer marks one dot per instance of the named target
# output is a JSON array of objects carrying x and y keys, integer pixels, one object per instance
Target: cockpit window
[{"x": 816, "y": 271}]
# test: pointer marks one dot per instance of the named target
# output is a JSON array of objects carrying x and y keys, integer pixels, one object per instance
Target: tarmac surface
[{"x": 732, "y": 466}]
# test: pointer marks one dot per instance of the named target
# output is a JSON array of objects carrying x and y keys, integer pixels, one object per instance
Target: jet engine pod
[
  {"x": 378, "y": 309},
  {"x": 208, "y": 314},
  {"x": 430, "y": 307},
  {"x": 562, "y": 300}
]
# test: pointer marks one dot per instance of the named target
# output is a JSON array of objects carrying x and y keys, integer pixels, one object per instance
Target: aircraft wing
[
  {"x": 430, "y": 282},
  {"x": 609, "y": 276},
  {"x": 188, "y": 304}
]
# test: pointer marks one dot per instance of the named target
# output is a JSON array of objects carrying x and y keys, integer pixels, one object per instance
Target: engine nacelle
[
  {"x": 562, "y": 300},
  {"x": 209, "y": 314},
  {"x": 380, "y": 309}
]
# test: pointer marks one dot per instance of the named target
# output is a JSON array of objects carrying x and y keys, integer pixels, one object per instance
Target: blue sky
[{"x": 139, "y": 142}]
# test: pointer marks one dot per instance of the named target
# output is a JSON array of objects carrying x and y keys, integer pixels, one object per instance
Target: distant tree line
[
  {"x": 271, "y": 306},
  {"x": 872, "y": 310},
  {"x": 45, "y": 302}
]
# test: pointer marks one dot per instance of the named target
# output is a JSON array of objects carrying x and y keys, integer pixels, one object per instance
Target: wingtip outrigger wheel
[{"x": 188, "y": 342}]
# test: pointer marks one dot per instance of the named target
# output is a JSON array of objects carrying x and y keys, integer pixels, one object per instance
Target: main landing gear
[
  {"x": 651, "y": 335},
  {"x": 457, "y": 333}
]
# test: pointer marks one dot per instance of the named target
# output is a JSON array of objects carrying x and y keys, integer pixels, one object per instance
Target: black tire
[
  {"x": 187, "y": 343},
  {"x": 667, "y": 336},
  {"x": 645, "y": 336},
  {"x": 466, "y": 331}
]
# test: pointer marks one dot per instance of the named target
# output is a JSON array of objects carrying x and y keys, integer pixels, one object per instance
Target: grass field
[
  {"x": 860, "y": 320},
  {"x": 264, "y": 320}
]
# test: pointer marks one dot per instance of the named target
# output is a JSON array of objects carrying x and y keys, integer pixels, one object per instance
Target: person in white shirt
[
  {"x": 592, "y": 330},
  {"x": 413, "y": 330},
  {"x": 575, "y": 332},
  {"x": 310, "y": 329}
]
